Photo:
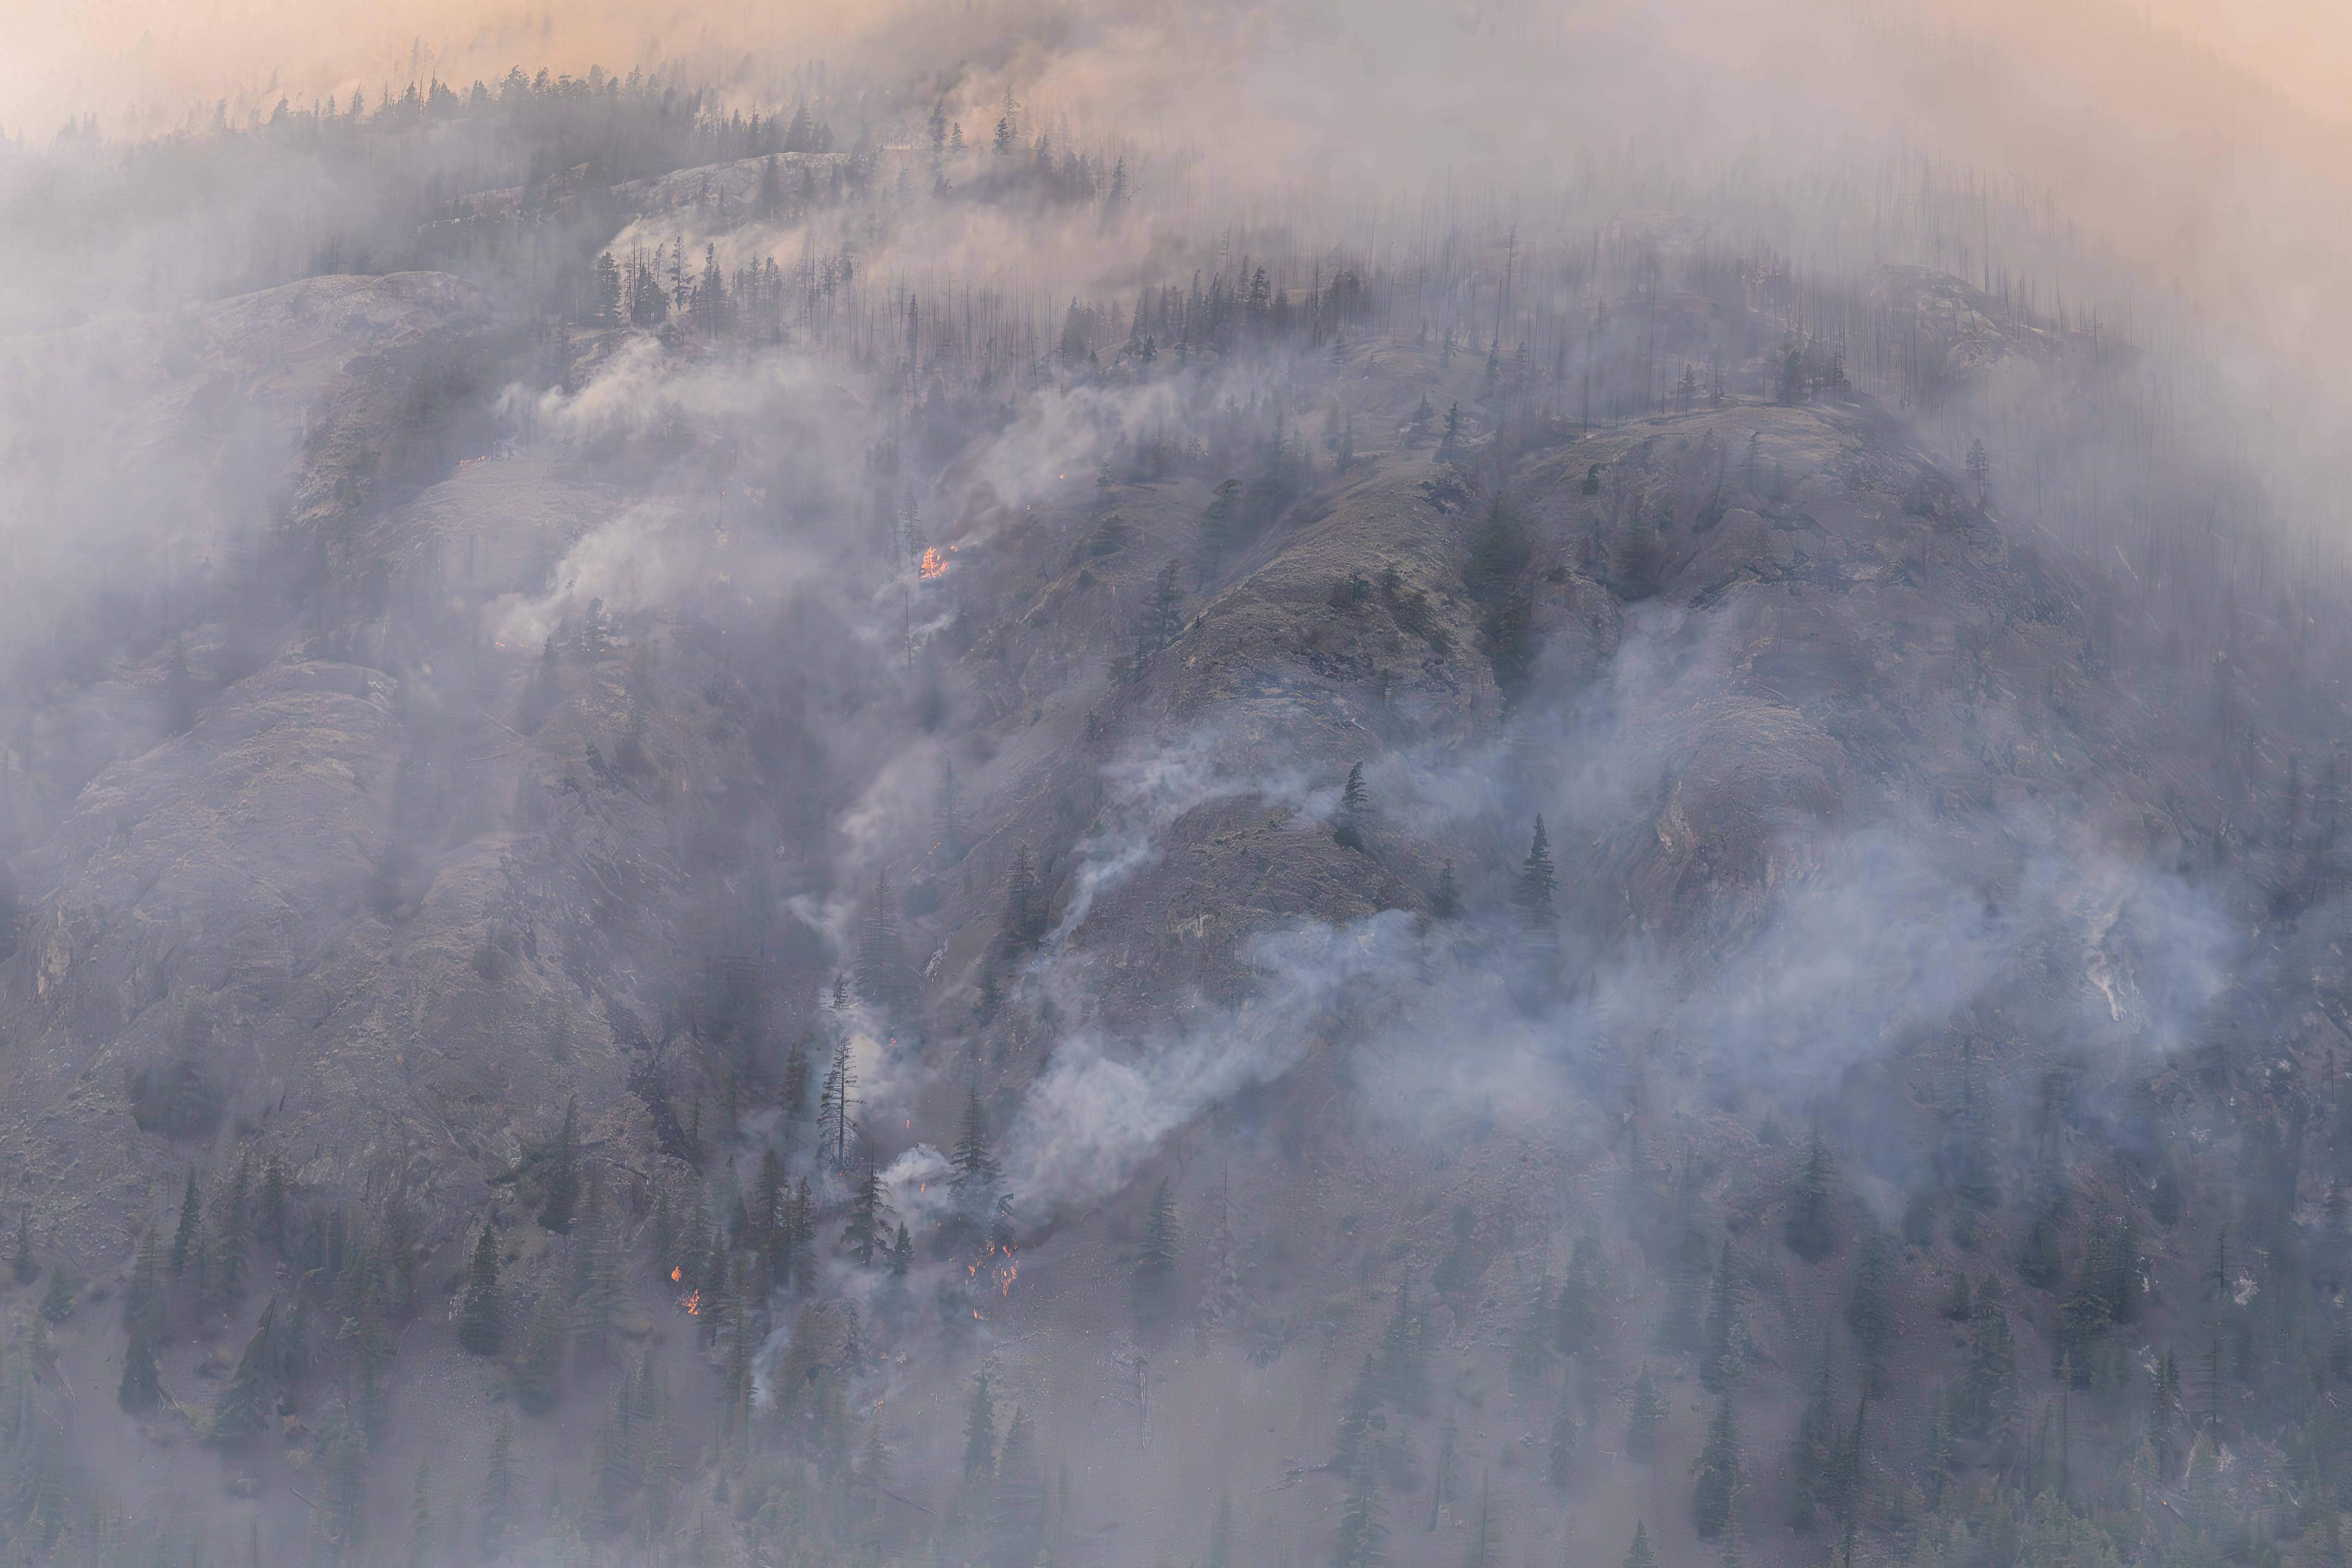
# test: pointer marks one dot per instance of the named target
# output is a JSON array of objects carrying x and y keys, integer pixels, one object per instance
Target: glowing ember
[
  {"x": 693, "y": 1305},
  {"x": 678, "y": 1273},
  {"x": 932, "y": 564}
]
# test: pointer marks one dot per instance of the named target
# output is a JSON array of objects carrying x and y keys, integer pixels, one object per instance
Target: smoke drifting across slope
[{"x": 599, "y": 671}]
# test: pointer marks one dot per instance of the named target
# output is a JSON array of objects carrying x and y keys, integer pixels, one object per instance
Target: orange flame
[
  {"x": 693, "y": 1305},
  {"x": 931, "y": 564},
  {"x": 678, "y": 1273}
]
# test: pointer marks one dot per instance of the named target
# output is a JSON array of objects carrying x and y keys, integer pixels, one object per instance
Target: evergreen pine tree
[
  {"x": 232, "y": 1232},
  {"x": 1533, "y": 896},
  {"x": 1718, "y": 1362},
  {"x": 1018, "y": 1525},
  {"x": 1559, "y": 1462},
  {"x": 837, "y": 1104},
  {"x": 241, "y": 1414},
  {"x": 22, "y": 1263},
  {"x": 1152, "y": 1281},
  {"x": 63, "y": 1297},
  {"x": 974, "y": 1188},
  {"x": 1640, "y": 1555},
  {"x": 562, "y": 1190},
  {"x": 421, "y": 1549},
  {"x": 980, "y": 1432},
  {"x": 1363, "y": 1536},
  {"x": 1352, "y": 1439},
  {"x": 1646, "y": 1419},
  {"x": 1355, "y": 811},
  {"x": 184, "y": 1239},
  {"x": 867, "y": 1235},
  {"x": 1446, "y": 900},
  {"x": 882, "y": 979},
  {"x": 947, "y": 813},
  {"x": 1716, "y": 1474},
  {"x": 1810, "y": 1453},
  {"x": 1221, "y": 1534},
  {"x": 540, "y": 1367},
  {"x": 141, "y": 1389},
  {"x": 273, "y": 1228},
  {"x": 501, "y": 1499},
  {"x": 1577, "y": 1324},
  {"x": 481, "y": 1319},
  {"x": 1812, "y": 1231}
]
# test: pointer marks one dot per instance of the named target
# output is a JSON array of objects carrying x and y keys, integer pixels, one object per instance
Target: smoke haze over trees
[{"x": 1103, "y": 785}]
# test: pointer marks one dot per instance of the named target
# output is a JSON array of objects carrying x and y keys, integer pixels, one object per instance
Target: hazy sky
[{"x": 152, "y": 59}]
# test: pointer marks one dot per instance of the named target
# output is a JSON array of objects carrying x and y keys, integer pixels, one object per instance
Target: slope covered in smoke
[{"x": 892, "y": 829}]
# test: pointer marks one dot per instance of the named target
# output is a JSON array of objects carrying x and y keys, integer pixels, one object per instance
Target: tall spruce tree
[
  {"x": 482, "y": 1316},
  {"x": 1355, "y": 811},
  {"x": 1538, "y": 882},
  {"x": 980, "y": 1431},
  {"x": 1152, "y": 1279},
  {"x": 1716, "y": 1474},
  {"x": 1812, "y": 1229},
  {"x": 560, "y": 1190},
  {"x": 882, "y": 979}
]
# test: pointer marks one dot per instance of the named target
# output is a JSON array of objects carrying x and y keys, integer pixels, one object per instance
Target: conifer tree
[
  {"x": 273, "y": 1228},
  {"x": 1482, "y": 1545},
  {"x": 836, "y": 1105},
  {"x": 1019, "y": 1521},
  {"x": 1646, "y": 1419},
  {"x": 1024, "y": 924},
  {"x": 141, "y": 1388},
  {"x": 186, "y": 1239},
  {"x": 1809, "y": 1462},
  {"x": 1402, "y": 1369},
  {"x": 1812, "y": 1231},
  {"x": 142, "y": 1299},
  {"x": 561, "y": 1191},
  {"x": 1640, "y": 1555},
  {"x": 481, "y": 1319},
  {"x": 1716, "y": 1474},
  {"x": 500, "y": 1499},
  {"x": 867, "y": 1235},
  {"x": 63, "y": 1297},
  {"x": 540, "y": 1365},
  {"x": 882, "y": 979},
  {"x": 1720, "y": 1351},
  {"x": 421, "y": 1546},
  {"x": 974, "y": 1187},
  {"x": 1152, "y": 1281},
  {"x": 1560, "y": 1460},
  {"x": 1355, "y": 811},
  {"x": 1220, "y": 526},
  {"x": 21, "y": 1263},
  {"x": 1867, "y": 1312},
  {"x": 947, "y": 813},
  {"x": 339, "y": 1524},
  {"x": 240, "y": 1415},
  {"x": 1577, "y": 1323},
  {"x": 1162, "y": 624},
  {"x": 1529, "y": 1361},
  {"x": 232, "y": 1232},
  {"x": 1445, "y": 899},
  {"x": 1533, "y": 895},
  {"x": 1985, "y": 1402},
  {"x": 1363, "y": 1536},
  {"x": 980, "y": 1432},
  {"x": 1352, "y": 1439}
]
